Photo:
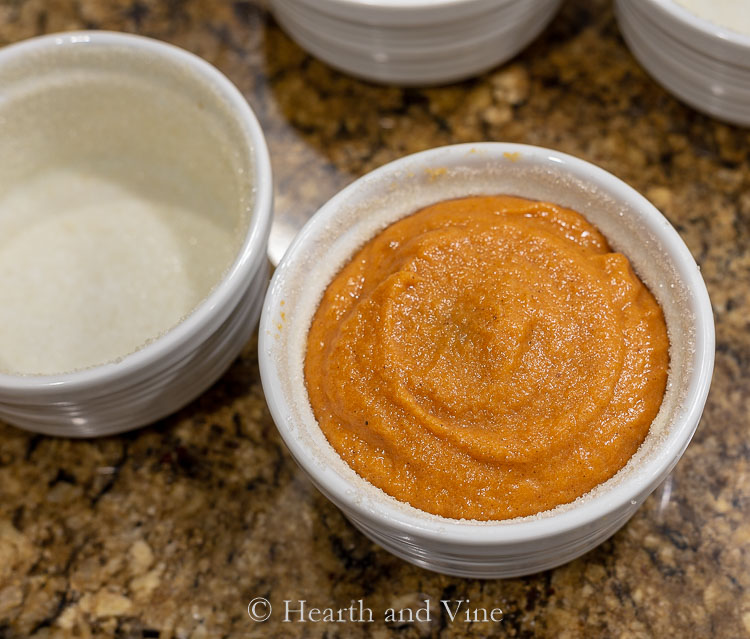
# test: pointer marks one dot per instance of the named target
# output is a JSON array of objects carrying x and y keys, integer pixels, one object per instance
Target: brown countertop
[{"x": 171, "y": 530}]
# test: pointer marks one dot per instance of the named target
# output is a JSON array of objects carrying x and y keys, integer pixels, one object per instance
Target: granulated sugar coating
[
  {"x": 487, "y": 358},
  {"x": 123, "y": 201},
  {"x": 94, "y": 265}
]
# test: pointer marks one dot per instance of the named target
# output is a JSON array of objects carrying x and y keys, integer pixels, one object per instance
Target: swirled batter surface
[{"x": 487, "y": 358}]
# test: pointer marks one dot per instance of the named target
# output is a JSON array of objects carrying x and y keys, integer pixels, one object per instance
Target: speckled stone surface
[{"x": 170, "y": 531}]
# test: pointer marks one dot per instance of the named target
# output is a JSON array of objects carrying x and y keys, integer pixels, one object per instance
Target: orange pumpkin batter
[{"x": 487, "y": 358}]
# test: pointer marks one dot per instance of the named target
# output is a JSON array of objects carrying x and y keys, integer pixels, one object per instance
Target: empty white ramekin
[
  {"x": 703, "y": 64},
  {"x": 184, "y": 113},
  {"x": 633, "y": 226},
  {"x": 414, "y": 42}
]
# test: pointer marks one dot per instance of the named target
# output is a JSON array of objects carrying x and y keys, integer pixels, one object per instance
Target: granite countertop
[{"x": 171, "y": 530}]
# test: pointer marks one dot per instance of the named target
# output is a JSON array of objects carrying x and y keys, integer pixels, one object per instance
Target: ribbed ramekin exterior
[
  {"x": 710, "y": 74},
  {"x": 453, "y": 43}
]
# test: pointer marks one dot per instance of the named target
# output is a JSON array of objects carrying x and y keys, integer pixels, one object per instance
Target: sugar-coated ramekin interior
[
  {"x": 631, "y": 224},
  {"x": 106, "y": 100}
]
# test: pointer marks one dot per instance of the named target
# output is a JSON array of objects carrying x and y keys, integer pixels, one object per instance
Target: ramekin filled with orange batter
[{"x": 487, "y": 355}]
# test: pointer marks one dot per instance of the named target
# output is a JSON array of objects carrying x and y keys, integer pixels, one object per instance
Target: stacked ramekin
[
  {"x": 703, "y": 64},
  {"x": 414, "y": 42}
]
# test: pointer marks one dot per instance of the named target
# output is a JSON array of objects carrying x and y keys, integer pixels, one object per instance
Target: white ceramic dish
[
  {"x": 703, "y": 64},
  {"x": 414, "y": 42},
  {"x": 631, "y": 223},
  {"x": 159, "y": 128}
]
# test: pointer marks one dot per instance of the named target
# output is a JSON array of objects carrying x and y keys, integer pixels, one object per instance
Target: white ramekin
[
  {"x": 704, "y": 65},
  {"x": 633, "y": 226},
  {"x": 414, "y": 42},
  {"x": 177, "y": 366}
]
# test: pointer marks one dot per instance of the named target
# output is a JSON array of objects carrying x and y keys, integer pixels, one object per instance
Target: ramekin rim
[{"x": 403, "y": 5}]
